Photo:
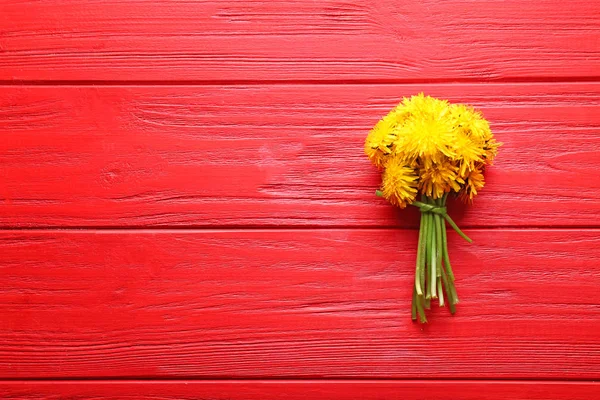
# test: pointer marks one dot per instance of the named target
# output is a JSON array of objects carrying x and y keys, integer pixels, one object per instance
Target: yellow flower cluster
[{"x": 429, "y": 146}]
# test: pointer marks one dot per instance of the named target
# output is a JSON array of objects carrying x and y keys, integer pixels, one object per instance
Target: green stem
[
  {"x": 456, "y": 228},
  {"x": 454, "y": 294},
  {"x": 439, "y": 224},
  {"x": 445, "y": 254},
  {"x": 423, "y": 266},
  {"x": 451, "y": 288},
  {"x": 440, "y": 210},
  {"x": 451, "y": 300},
  {"x": 420, "y": 251},
  {"x": 426, "y": 206},
  {"x": 420, "y": 310},
  {"x": 427, "y": 274},
  {"x": 421, "y": 301},
  {"x": 439, "y": 240},
  {"x": 433, "y": 244},
  {"x": 426, "y": 288}
]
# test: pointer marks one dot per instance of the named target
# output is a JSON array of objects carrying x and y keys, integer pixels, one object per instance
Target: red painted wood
[
  {"x": 286, "y": 155},
  {"x": 298, "y": 40},
  {"x": 294, "y": 303},
  {"x": 301, "y": 390},
  {"x": 270, "y": 134}
]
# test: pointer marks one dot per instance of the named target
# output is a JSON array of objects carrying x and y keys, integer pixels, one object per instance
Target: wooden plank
[
  {"x": 294, "y": 303},
  {"x": 285, "y": 155},
  {"x": 298, "y": 40},
  {"x": 301, "y": 390}
]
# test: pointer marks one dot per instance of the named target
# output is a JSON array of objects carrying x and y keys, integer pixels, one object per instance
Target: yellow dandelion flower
[
  {"x": 468, "y": 153},
  {"x": 379, "y": 141},
  {"x": 438, "y": 179},
  {"x": 421, "y": 105},
  {"x": 428, "y": 132},
  {"x": 436, "y": 147},
  {"x": 470, "y": 122},
  {"x": 402, "y": 112},
  {"x": 474, "y": 182},
  {"x": 490, "y": 150},
  {"x": 399, "y": 183}
]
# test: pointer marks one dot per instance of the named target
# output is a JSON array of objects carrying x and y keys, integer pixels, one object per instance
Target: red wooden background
[{"x": 186, "y": 212}]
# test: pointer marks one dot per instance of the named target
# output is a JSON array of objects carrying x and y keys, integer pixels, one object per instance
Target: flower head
[
  {"x": 399, "y": 182},
  {"x": 470, "y": 123},
  {"x": 427, "y": 132},
  {"x": 439, "y": 179},
  {"x": 473, "y": 183},
  {"x": 468, "y": 153},
  {"x": 430, "y": 146},
  {"x": 490, "y": 149},
  {"x": 379, "y": 141}
]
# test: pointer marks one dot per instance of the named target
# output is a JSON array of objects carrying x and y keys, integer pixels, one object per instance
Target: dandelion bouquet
[{"x": 433, "y": 148}]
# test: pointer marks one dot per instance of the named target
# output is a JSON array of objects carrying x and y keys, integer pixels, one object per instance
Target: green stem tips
[{"x": 433, "y": 274}]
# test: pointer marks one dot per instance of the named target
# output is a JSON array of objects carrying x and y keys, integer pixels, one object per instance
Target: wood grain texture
[
  {"x": 294, "y": 303},
  {"x": 285, "y": 155},
  {"x": 298, "y": 40},
  {"x": 301, "y": 390}
]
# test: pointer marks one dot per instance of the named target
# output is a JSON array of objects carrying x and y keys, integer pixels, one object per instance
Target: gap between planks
[
  {"x": 300, "y": 390},
  {"x": 257, "y": 82},
  {"x": 211, "y": 228},
  {"x": 284, "y": 380}
]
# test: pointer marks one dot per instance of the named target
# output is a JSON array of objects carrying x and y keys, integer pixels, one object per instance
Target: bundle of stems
[
  {"x": 433, "y": 275},
  {"x": 431, "y": 147}
]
